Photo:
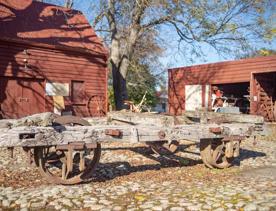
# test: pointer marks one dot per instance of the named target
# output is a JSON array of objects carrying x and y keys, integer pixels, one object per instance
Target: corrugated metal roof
[{"x": 48, "y": 24}]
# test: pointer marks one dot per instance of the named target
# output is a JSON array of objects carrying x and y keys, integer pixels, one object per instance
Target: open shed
[
  {"x": 50, "y": 60},
  {"x": 251, "y": 82}
]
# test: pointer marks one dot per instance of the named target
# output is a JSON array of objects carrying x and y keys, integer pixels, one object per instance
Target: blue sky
[{"x": 172, "y": 56}]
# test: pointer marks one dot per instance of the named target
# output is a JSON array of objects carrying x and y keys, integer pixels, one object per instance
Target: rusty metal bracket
[
  {"x": 114, "y": 132},
  {"x": 161, "y": 134},
  {"x": 216, "y": 130}
]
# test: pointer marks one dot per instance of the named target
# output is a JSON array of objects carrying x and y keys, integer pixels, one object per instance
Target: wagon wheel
[
  {"x": 205, "y": 151},
  {"x": 219, "y": 158},
  {"x": 67, "y": 166},
  {"x": 96, "y": 106},
  {"x": 163, "y": 147},
  {"x": 213, "y": 154}
]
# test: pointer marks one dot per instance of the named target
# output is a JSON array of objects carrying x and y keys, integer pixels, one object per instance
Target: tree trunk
[
  {"x": 120, "y": 57},
  {"x": 119, "y": 87}
]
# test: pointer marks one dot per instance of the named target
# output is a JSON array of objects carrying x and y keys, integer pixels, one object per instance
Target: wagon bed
[{"x": 67, "y": 149}]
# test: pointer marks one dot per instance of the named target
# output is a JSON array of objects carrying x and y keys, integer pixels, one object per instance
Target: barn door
[
  {"x": 33, "y": 100},
  {"x": 263, "y": 97},
  {"x": 21, "y": 97}
]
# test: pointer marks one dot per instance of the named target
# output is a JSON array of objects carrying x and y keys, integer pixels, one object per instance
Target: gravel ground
[{"x": 130, "y": 177}]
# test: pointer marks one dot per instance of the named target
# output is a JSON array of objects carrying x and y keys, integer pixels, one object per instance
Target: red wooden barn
[
  {"x": 50, "y": 59},
  {"x": 252, "y": 80}
]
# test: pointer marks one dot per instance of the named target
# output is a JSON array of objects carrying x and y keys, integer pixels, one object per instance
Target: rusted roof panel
[{"x": 49, "y": 24}]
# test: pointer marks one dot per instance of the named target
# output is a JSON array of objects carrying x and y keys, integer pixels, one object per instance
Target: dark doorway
[{"x": 237, "y": 94}]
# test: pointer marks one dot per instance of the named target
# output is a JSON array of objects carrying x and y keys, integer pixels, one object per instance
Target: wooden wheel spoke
[
  {"x": 217, "y": 157},
  {"x": 213, "y": 154},
  {"x": 218, "y": 153},
  {"x": 81, "y": 162},
  {"x": 64, "y": 171}
]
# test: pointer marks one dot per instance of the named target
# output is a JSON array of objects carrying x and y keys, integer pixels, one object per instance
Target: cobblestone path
[{"x": 132, "y": 178}]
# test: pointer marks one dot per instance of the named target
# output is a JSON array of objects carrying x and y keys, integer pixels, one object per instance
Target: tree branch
[{"x": 156, "y": 22}]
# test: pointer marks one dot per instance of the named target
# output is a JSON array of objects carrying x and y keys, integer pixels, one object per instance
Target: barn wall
[
  {"x": 56, "y": 66},
  {"x": 215, "y": 73}
]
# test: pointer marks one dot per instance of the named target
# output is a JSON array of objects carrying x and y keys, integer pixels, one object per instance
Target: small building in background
[
  {"x": 162, "y": 102},
  {"x": 247, "y": 84},
  {"x": 50, "y": 60}
]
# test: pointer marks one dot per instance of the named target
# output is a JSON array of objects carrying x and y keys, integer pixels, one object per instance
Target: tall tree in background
[
  {"x": 141, "y": 78},
  {"x": 227, "y": 25}
]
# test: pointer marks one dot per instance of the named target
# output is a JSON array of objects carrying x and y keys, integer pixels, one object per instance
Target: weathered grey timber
[
  {"x": 189, "y": 117},
  {"x": 37, "y": 130},
  {"x": 58, "y": 135},
  {"x": 41, "y": 119},
  {"x": 214, "y": 117}
]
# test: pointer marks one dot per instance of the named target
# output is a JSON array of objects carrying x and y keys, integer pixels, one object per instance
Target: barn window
[{"x": 78, "y": 92}]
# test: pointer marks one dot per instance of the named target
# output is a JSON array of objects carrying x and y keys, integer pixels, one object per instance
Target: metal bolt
[{"x": 161, "y": 134}]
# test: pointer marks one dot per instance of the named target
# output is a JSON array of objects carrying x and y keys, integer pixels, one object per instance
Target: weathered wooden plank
[
  {"x": 40, "y": 119},
  {"x": 59, "y": 135},
  {"x": 214, "y": 117}
]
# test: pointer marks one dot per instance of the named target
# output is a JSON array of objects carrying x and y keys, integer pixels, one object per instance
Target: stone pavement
[{"x": 136, "y": 179}]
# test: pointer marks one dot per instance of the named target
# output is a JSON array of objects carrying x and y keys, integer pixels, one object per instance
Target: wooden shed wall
[
  {"x": 53, "y": 65},
  {"x": 215, "y": 73}
]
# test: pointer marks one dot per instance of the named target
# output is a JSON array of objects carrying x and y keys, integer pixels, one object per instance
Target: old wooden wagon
[{"x": 66, "y": 149}]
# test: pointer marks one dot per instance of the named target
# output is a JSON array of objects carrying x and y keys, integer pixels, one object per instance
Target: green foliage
[
  {"x": 111, "y": 100},
  {"x": 139, "y": 81}
]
